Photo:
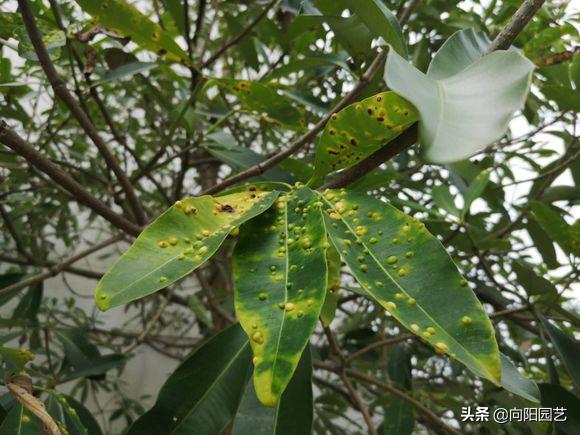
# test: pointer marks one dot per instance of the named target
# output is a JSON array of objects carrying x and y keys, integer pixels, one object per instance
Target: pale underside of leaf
[
  {"x": 176, "y": 243},
  {"x": 280, "y": 283},
  {"x": 407, "y": 270},
  {"x": 464, "y": 106}
]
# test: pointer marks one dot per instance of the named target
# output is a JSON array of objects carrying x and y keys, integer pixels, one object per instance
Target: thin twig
[{"x": 56, "y": 269}]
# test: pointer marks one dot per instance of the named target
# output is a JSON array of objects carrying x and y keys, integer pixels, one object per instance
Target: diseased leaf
[
  {"x": 455, "y": 98},
  {"x": 176, "y": 243},
  {"x": 126, "y": 20},
  {"x": 380, "y": 21},
  {"x": 264, "y": 99},
  {"x": 293, "y": 413},
  {"x": 202, "y": 395},
  {"x": 567, "y": 349},
  {"x": 360, "y": 129},
  {"x": 513, "y": 381},
  {"x": 20, "y": 421},
  {"x": 332, "y": 289},
  {"x": 280, "y": 280},
  {"x": 15, "y": 359},
  {"x": 390, "y": 255}
]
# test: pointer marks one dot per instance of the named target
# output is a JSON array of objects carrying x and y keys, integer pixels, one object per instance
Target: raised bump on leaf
[
  {"x": 176, "y": 243},
  {"x": 280, "y": 282},
  {"x": 424, "y": 291}
]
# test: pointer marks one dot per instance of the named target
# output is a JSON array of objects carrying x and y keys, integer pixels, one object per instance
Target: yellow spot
[
  {"x": 360, "y": 231},
  {"x": 466, "y": 320},
  {"x": 235, "y": 232},
  {"x": 391, "y": 306},
  {"x": 373, "y": 240},
  {"x": 178, "y": 204},
  {"x": 415, "y": 327},
  {"x": 441, "y": 348},
  {"x": 262, "y": 296},
  {"x": 202, "y": 250},
  {"x": 402, "y": 272},
  {"x": 258, "y": 337},
  {"x": 405, "y": 228},
  {"x": 197, "y": 258},
  {"x": 463, "y": 282},
  {"x": 411, "y": 301},
  {"x": 392, "y": 259},
  {"x": 163, "y": 279},
  {"x": 431, "y": 330},
  {"x": 173, "y": 241},
  {"x": 309, "y": 302},
  {"x": 409, "y": 254},
  {"x": 400, "y": 296},
  {"x": 205, "y": 233},
  {"x": 163, "y": 244},
  {"x": 289, "y": 306},
  {"x": 255, "y": 360},
  {"x": 300, "y": 313},
  {"x": 426, "y": 335},
  {"x": 181, "y": 257}
]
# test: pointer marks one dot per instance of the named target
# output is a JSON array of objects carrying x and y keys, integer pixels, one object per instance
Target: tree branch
[
  {"x": 59, "y": 87},
  {"x": 517, "y": 23},
  {"x": 239, "y": 37},
  {"x": 36, "y": 159},
  {"x": 56, "y": 269},
  {"x": 307, "y": 137}
]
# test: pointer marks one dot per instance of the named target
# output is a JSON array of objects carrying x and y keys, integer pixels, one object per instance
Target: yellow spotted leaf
[
  {"x": 280, "y": 279},
  {"x": 126, "y": 20},
  {"x": 360, "y": 129},
  {"x": 399, "y": 264},
  {"x": 176, "y": 243}
]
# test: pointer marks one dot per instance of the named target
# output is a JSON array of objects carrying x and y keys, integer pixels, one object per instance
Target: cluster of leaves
[{"x": 280, "y": 252}]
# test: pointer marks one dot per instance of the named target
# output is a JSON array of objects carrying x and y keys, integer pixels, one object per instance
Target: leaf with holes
[
  {"x": 176, "y": 243},
  {"x": 280, "y": 282},
  {"x": 360, "y": 129},
  {"x": 126, "y": 20},
  {"x": 261, "y": 98},
  {"x": 201, "y": 397},
  {"x": 406, "y": 269}
]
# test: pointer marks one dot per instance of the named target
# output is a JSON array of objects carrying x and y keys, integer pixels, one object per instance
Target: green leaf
[
  {"x": 15, "y": 359},
  {"x": 125, "y": 71},
  {"x": 474, "y": 191},
  {"x": 399, "y": 415},
  {"x": 84, "y": 415},
  {"x": 554, "y": 396},
  {"x": 293, "y": 412},
  {"x": 533, "y": 283},
  {"x": 73, "y": 421},
  {"x": 310, "y": 62},
  {"x": 513, "y": 381},
  {"x": 390, "y": 255},
  {"x": 126, "y": 20},
  {"x": 20, "y": 421},
  {"x": 443, "y": 198},
  {"x": 225, "y": 148},
  {"x": 177, "y": 243},
  {"x": 332, "y": 289},
  {"x": 565, "y": 97},
  {"x": 261, "y": 98},
  {"x": 463, "y": 112},
  {"x": 543, "y": 243},
  {"x": 280, "y": 282},
  {"x": 27, "y": 308},
  {"x": 201, "y": 397},
  {"x": 380, "y": 21},
  {"x": 567, "y": 236},
  {"x": 360, "y": 129},
  {"x": 566, "y": 347}
]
